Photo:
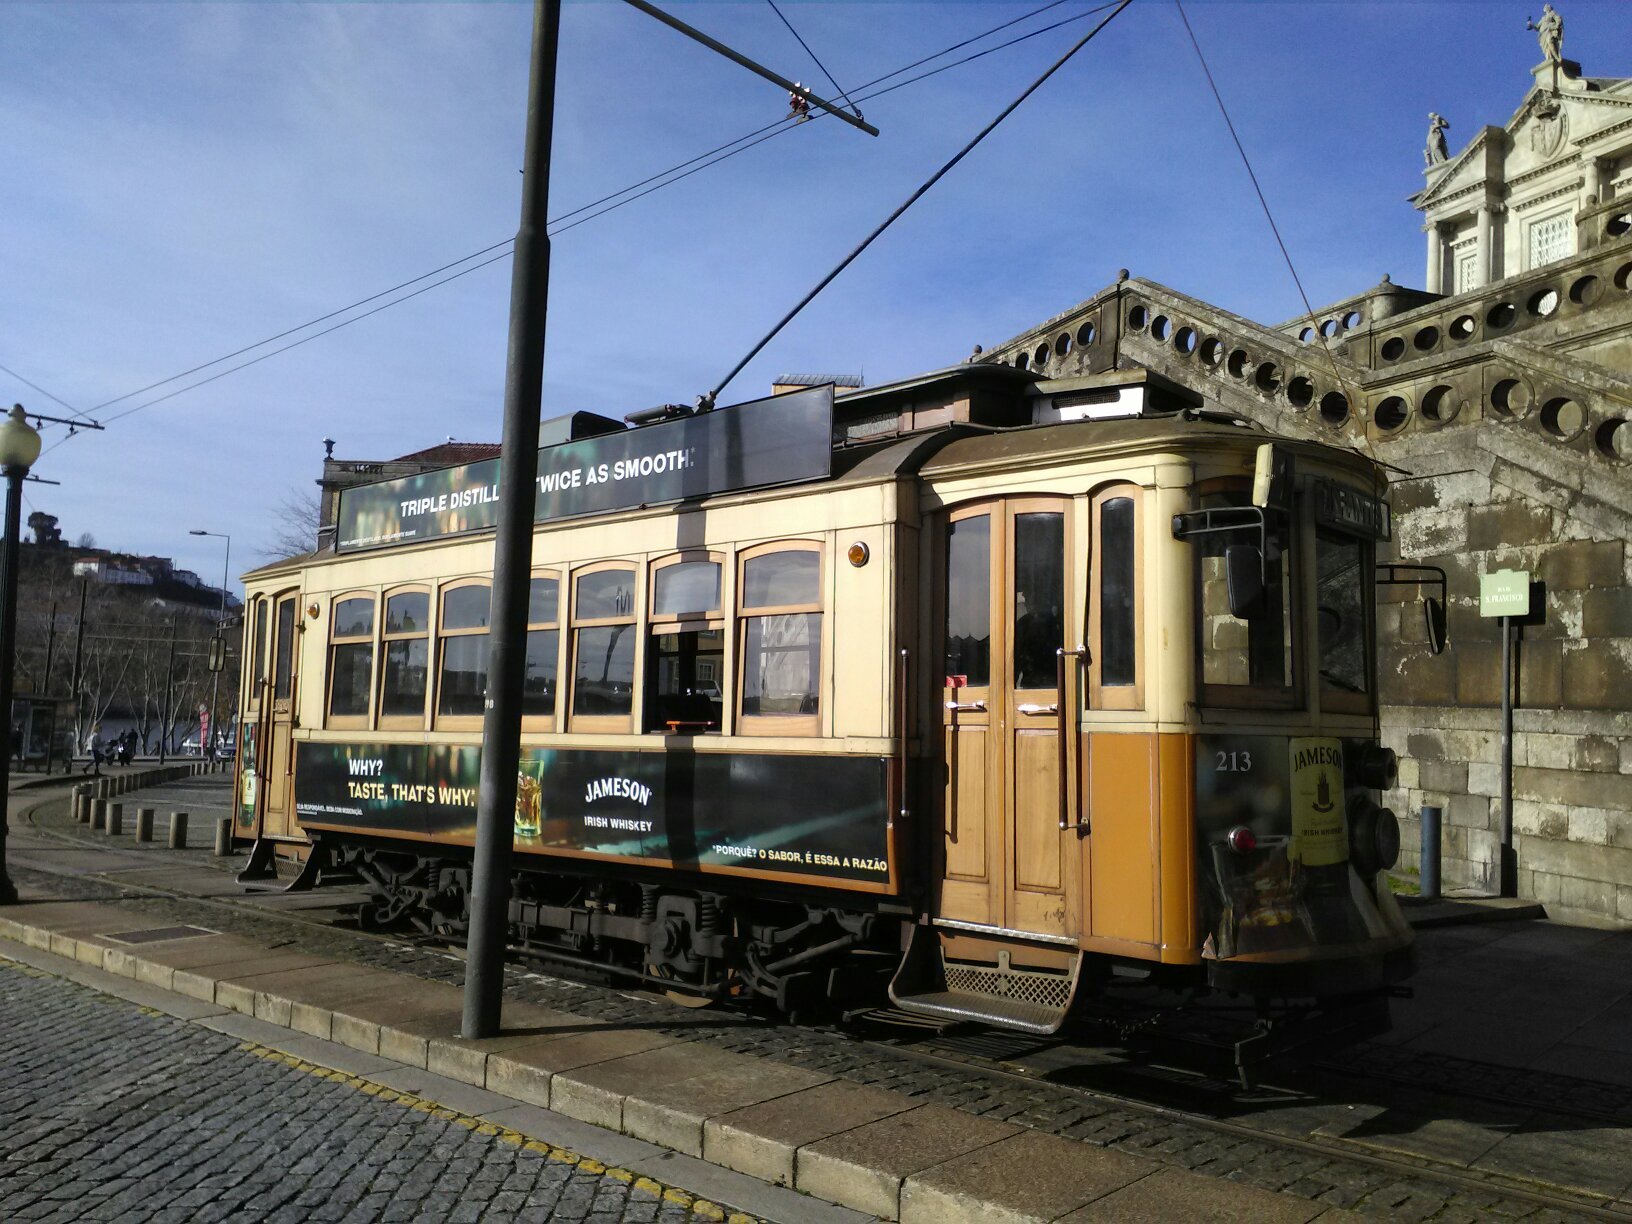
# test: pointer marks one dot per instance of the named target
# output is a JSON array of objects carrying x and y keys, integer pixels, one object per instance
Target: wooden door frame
[{"x": 272, "y": 718}]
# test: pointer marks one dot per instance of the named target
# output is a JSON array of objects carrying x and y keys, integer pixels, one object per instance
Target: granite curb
[{"x": 872, "y": 1150}]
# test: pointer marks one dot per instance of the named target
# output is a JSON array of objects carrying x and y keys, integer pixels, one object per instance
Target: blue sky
[{"x": 180, "y": 180}]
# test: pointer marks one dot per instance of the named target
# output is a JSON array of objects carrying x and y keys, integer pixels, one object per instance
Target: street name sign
[{"x": 1504, "y": 593}]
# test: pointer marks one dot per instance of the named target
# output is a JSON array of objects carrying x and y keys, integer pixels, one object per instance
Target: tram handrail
[
  {"x": 902, "y": 705},
  {"x": 1069, "y": 749}
]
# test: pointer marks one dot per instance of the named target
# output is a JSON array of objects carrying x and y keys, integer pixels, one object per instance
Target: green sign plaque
[{"x": 1504, "y": 593}]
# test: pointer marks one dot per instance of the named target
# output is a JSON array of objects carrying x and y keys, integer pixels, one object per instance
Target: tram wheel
[{"x": 681, "y": 998}]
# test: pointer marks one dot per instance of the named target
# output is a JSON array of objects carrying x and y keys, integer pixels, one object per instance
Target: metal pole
[
  {"x": 8, "y": 653},
  {"x": 854, "y": 119},
  {"x": 512, "y": 549},
  {"x": 50, "y": 651},
  {"x": 79, "y": 666},
  {"x": 1429, "y": 876},
  {"x": 1508, "y": 870},
  {"x": 169, "y": 677},
  {"x": 215, "y": 677}
]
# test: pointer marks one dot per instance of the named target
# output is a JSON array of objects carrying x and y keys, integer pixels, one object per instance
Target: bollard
[
  {"x": 116, "y": 818},
  {"x": 99, "y": 814},
  {"x": 101, "y": 788},
  {"x": 223, "y": 837},
  {"x": 144, "y": 824},
  {"x": 178, "y": 830},
  {"x": 80, "y": 800},
  {"x": 1430, "y": 853}
]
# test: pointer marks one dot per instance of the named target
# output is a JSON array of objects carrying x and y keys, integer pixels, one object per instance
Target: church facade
[{"x": 1501, "y": 397}]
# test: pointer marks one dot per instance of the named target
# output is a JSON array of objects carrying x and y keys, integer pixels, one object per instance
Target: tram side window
[
  {"x": 1255, "y": 653},
  {"x": 406, "y": 646},
  {"x": 780, "y": 610},
  {"x": 1114, "y": 601},
  {"x": 969, "y": 602},
  {"x": 603, "y": 648},
  {"x": 461, "y": 686},
  {"x": 283, "y": 653},
  {"x": 351, "y": 657},
  {"x": 258, "y": 675},
  {"x": 543, "y": 649},
  {"x": 685, "y": 649}
]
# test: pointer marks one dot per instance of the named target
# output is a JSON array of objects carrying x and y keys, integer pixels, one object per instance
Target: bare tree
[
  {"x": 86, "y": 540},
  {"x": 294, "y": 525}
]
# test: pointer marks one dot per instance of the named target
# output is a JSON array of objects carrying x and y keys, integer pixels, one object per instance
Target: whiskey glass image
[{"x": 529, "y": 802}]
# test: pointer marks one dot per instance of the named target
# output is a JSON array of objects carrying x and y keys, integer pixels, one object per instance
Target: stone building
[{"x": 1502, "y": 398}]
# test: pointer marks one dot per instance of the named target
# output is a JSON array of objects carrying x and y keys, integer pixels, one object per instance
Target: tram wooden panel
[{"x": 1123, "y": 862}]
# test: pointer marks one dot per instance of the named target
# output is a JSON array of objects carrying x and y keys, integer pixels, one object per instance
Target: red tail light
[{"x": 1242, "y": 839}]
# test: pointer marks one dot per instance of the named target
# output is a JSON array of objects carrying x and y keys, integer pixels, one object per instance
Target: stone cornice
[{"x": 1569, "y": 188}]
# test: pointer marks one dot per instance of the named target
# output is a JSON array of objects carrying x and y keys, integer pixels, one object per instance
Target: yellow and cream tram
[{"x": 981, "y": 686}]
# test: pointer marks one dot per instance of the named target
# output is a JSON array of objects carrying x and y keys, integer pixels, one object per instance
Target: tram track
[{"x": 1192, "y": 1100}]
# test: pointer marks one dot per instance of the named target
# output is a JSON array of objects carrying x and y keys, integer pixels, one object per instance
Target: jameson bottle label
[{"x": 1320, "y": 834}]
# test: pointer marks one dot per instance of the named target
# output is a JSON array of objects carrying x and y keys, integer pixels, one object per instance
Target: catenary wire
[
  {"x": 1325, "y": 341},
  {"x": 55, "y": 399},
  {"x": 668, "y": 178},
  {"x": 817, "y": 59}
]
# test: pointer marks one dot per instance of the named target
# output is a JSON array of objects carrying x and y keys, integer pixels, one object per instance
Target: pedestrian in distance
[{"x": 93, "y": 747}]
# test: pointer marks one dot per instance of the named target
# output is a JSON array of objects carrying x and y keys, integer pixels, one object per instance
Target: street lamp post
[
  {"x": 220, "y": 623},
  {"x": 19, "y": 448}
]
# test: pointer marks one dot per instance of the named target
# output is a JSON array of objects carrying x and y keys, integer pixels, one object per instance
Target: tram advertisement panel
[
  {"x": 771, "y": 441},
  {"x": 788, "y": 814}
]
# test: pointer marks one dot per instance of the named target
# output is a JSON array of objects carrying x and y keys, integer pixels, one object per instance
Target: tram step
[{"x": 928, "y": 984}]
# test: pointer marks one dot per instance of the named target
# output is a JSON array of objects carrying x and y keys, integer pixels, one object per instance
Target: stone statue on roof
[
  {"x": 1436, "y": 152},
  {"x": 1550, "y": 33}
]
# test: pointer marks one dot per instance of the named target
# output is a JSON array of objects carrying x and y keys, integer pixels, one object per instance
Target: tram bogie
[{"x": 947, "y": 689}]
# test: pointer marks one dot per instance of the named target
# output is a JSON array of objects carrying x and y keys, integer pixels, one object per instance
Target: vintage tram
[{"x": 984, "y": 689}]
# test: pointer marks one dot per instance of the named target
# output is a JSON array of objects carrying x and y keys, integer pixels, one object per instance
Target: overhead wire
[
  {"x": 1263, "y": 202},
  {"x": 839, "y": 89},
  {"x": 613, "y": 201}
]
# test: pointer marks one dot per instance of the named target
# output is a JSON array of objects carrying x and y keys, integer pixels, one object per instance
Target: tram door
[
  {"x": 1005, "y": 860},
  {"x": 277, "y": 721}
]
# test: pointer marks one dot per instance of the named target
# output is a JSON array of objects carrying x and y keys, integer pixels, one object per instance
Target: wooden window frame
[
  {"x": 1116, "y": 696},
  {"x": 255, "y": 663},
  {"x": 1333, "y": 699},
  {"x": 689, "y": 622},
  {"x": 615, "y": 724},
  {"x": 439, "y": 720},
  {"x": 406, "y": 722},
  {"x": 547, "y": 722},
  {"x": 1251, "y": 696},
  {"x": 787, "y": 725},
  {"x": 351, "y": 721}
]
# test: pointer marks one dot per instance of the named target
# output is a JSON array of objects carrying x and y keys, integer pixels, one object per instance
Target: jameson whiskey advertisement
[
  {"x": 796, "y": 815},
  {"x": 773, "y": 441}
]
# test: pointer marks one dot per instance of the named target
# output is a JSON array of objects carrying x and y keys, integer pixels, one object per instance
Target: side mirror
[
  {"x": 1433, "y": 611},
  {"x": 218, "y": 653},
  {"x": 1244, "y": 575}
]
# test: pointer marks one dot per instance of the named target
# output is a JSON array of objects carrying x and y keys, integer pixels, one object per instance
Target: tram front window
[
  {"x": 1340, "y": 605},
  {"x": 1254, "y": 653}
]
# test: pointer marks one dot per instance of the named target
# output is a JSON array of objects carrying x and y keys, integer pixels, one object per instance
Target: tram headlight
[
  {"x": 1374, "y": 837},
  {"x": 1242, "y": 839},
  {"x": 1376, "y": 767}
]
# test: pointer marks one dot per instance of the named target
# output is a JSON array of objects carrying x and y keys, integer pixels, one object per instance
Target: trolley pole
[
  {"x": 79, "y": 668},
  {"x": 169, "y": 678},
  {"x": 512, "y": 549}
]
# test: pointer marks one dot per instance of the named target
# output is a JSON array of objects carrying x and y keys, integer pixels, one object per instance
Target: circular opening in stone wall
[
  {"x": 1501, "y": 315},
  {"x": 1329, "y": 328},
  {"x": 1040, "y": 357},
  {"x": 1623, "y": 277},
  {"x": 1212, "y": 351},
  {"x": 1062, "y": 343},
  {"x": 1238, "y": 363},
  {"x": 1619, "y": 225},
  {"x": 1543, "y": 302},
  {"x": 1086, "y": 334},
  {"x": 1137, "y": 316},
  {"x": 1440, "y": 404},
  {"x": 1352, "y": 320},
  {"x": 1510, "y": 397},
  {"x": 1021, "y": 362},
  {"x": 1462, "y": 328},
  {"x": 1586, "y": 291},
  {"x": 1392, "y": 414},
  {"x": 1300, "y": 392},
  {"x": 1393, "y": 348},
  {"x": 1185, "y": 340},
  {"x": 1306, "y": 336},
  {"x": 1425, "y": 339},
  {"x": 1614, "y": 439},
  {"x": 1268, "y": 378},
  {"x": 1161, "y": 327},
  {"x": 1563, "y": 417},
  {"x": 1334, "y": 408}
]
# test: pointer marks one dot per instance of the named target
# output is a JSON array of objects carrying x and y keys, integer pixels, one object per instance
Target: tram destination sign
[
  {"x": 823, "y": 817},
  {"x": 779, "y": 440},
  {"x": 1350, "y": 510}
]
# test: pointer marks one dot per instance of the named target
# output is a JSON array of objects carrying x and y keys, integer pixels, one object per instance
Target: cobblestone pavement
[
  {"x": 1383, "y": 1189},
  {"x": 115, "y": 1112}
]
